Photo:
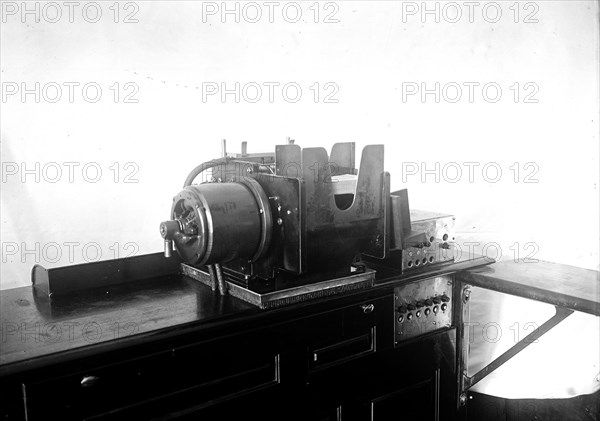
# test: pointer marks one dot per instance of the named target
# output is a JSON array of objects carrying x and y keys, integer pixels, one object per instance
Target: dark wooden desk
[{"x": 168, "y": 347}]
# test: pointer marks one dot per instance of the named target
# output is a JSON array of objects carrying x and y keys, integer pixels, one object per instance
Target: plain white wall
[{"x": 170, "y": 52}]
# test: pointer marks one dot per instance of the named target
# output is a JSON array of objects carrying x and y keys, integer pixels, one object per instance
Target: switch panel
[
  {"x": 422, "y": 307},
  {"x": 439, "y": 229}
]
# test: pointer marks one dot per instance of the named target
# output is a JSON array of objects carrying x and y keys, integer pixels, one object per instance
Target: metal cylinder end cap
[{"x": 168, "y": 229}]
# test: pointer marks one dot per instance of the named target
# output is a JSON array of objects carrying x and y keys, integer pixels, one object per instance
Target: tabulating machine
[{"x": 284, "y": 227}]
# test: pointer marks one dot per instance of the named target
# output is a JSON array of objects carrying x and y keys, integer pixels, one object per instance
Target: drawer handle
[
  {"x": 89, "y": 381},
  {"x": 367, "y": 308}
]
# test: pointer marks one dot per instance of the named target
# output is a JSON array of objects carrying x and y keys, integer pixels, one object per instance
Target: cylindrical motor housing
[{"x": 220, "y": 222}]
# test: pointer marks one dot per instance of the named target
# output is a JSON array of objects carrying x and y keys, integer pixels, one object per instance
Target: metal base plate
[{"x": 284, "y": 297}]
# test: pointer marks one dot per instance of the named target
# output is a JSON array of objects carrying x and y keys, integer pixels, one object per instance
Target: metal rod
[
  {"x": 168, "y": 248},
  {"x": 561, "y": 314},
  {"x": 220, "y": 279}
]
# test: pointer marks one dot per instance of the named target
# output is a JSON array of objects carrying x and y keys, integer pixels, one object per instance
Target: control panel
[
  {"x": 439, "y": 230},
  {"x": 422, "y": 307}
]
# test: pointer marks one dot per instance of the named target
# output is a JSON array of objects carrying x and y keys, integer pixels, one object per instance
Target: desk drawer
[
  {"x": 349, "y": 333},
  {"x": 197, "y": 375},
  {"x": 341, "y": 351}
]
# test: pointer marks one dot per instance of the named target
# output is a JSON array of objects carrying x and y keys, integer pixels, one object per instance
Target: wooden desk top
[
  {"x": 553, "y": 283},
  {"x": 36, "y": 331},
  {"x": 33, "y": 327}
]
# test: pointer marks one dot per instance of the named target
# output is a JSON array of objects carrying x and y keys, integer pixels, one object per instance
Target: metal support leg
[{"x": 462, "y": 294}]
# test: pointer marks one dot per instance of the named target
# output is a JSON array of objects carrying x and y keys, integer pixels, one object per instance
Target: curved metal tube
[
  {"x": 213, "y": 278},
  {"x": 220, "y": 279},
  {"x": 203, "y": 167}
]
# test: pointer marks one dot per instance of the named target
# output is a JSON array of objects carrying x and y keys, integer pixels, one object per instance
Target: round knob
[
  {"x": 435, "y": 309},
  {"x": 444, "y": 307},
  {"x": 427, "y": 311},
  {"x": 400, "y": 318},
  {"x": 409, "y": 316},
  {"x": 418, "y": 313}
]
